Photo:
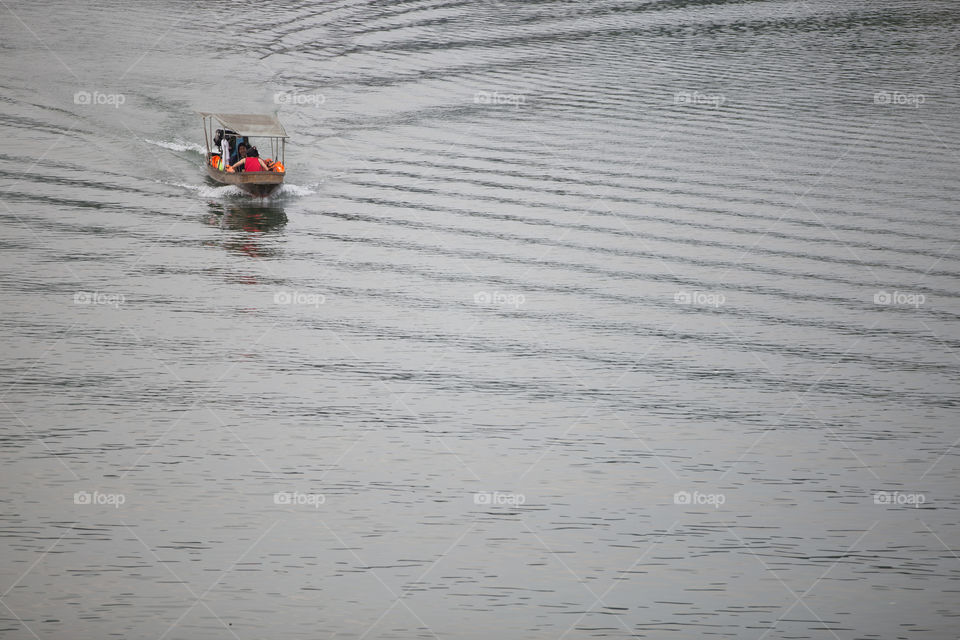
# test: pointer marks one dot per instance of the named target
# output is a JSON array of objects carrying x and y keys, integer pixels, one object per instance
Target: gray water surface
[{"x": 595, "y": 319}]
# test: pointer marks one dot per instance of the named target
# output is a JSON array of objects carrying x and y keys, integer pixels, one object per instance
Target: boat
[{"x": 241, "y": 127}]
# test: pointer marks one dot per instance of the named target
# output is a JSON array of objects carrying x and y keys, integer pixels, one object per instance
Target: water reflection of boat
[
  {"x": 249, "y": 218},
  {"x": 257, "y": 224}
]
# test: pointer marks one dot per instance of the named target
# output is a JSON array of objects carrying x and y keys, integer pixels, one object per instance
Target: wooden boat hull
[{"x": 257, "y": 183}]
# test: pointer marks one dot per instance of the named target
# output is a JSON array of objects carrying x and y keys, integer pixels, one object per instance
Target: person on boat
[
  {"x": 222, "y": 148},
  {"x": 240, "y": 151},
  {"x": 224, "y": 152},
  {"x": 240, "y": 154},
  {"x": 251, "y": 162}
]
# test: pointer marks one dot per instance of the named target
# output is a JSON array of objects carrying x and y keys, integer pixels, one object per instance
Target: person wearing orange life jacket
[{"x": 222, "y": 150}]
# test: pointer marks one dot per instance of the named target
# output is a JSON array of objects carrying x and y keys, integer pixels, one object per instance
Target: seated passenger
[
  {"x": 240, "y": 151},
  {"x": 251, "y": 162}
]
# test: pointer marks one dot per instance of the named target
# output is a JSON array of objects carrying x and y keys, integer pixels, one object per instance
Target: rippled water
[{"x": 574, "y": 319}]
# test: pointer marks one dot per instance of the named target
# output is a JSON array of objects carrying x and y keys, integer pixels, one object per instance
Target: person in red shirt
[{"x": 252, "y": 162}]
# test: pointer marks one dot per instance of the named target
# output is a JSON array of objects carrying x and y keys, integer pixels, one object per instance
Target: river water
[{"x": 572, "y": 320}]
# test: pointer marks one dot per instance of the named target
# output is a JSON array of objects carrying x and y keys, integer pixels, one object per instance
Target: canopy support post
[{"x": 206, "y": 138}]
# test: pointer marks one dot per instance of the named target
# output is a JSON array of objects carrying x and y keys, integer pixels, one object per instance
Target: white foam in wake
[
  {"x": 296, "y": 190},
  {"x": 230, "y": 191},
  {"x": 177, "y": 145},
  {"x": 207, "y": 191}
]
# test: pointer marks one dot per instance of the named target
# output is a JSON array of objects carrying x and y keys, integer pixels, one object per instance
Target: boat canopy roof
[{"x": 250, "y": 124}]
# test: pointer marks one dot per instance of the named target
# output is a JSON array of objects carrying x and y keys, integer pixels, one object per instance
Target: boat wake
[
  {"x": 286, "y": 191},
  {"x": 295, "y": 191},
  {"x": 176, "y": 145},
  {"x": 208, "y": 191}
]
